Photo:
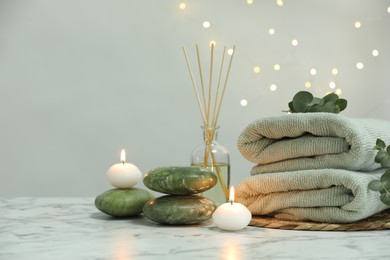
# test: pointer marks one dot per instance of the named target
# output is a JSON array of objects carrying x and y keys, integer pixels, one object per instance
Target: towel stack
[{"x": 312, "y": 166}]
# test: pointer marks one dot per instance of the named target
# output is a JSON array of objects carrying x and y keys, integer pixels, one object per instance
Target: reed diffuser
[{"x": 210, "y": 154}]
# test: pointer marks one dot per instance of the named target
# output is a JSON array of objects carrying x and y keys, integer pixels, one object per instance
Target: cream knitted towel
[
  {"x": 312, "y": 141},
  {"x": 325, "y": 195}
]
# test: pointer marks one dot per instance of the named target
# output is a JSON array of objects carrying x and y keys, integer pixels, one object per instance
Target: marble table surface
[{"x": 72, "y": 228}]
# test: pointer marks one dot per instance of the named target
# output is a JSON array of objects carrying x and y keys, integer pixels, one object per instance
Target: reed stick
[
  {"x": 201, "y": 80},
  {"x": 224, "y": 86},
  {"x": 218, "y": 87},
  {"x": 220, "y": 178},
  {"x": 216, "y": 114},
  {"x": 210, "y": 81},
  {"x": 223, "y": 186},
  {"x": 194, "y": 86}
]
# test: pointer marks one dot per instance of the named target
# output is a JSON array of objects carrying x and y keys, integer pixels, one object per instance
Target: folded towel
[
  {"x": 312, "y": 141},
  {"x": 323, "y": 195}
]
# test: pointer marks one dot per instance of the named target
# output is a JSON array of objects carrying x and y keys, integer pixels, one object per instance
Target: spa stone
[
  {"x": 180, "y": 180},
  {"x": 122, "y": 202},
  {"x": 179, "y": 210}
]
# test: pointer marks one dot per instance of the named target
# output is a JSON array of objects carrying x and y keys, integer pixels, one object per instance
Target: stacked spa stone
[
  {"x": 183, "y": 205},
  {"x": 125, "y": 201}
]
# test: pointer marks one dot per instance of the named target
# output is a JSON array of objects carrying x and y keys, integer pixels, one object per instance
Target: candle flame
[
  {"x": 231, "y": 195},
  {"x": 123, "y": 156}
]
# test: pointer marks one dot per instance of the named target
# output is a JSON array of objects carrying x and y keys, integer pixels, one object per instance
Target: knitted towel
[
  {"x": 312, "y": 141},
  {"x": 324, "y": 195}
]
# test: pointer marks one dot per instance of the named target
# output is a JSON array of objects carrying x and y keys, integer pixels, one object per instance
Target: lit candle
[
  {"x": 232, "y": 216},
  {"x": 124, "y": 175}
]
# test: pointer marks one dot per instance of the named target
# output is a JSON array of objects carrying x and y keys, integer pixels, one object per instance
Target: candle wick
[{"x": 231, "y": 202}]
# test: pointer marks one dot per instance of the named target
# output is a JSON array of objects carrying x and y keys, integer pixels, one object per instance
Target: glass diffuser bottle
[
  {"x": 215, "y": 157},
  {"x": 210, "y": 154}
]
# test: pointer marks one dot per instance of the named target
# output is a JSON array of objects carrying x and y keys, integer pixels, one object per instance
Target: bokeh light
[
  {"x": 206, "y": 24},
  {"x": 294, "y": 42},
  {"x": 359, "y": 65},
  {"x": 332, "y": 84},
  {"x": 358, "y": 24},
  {"x": 182, "y": 6}
]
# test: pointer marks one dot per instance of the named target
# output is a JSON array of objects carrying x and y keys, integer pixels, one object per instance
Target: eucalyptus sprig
[
  {"x": 383, "y": 155},
  {"x": 305, "y": 102},
  {"x": 382, "y": 185}
]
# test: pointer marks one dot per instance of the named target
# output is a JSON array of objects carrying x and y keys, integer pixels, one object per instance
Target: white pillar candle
[
  {"x": 124, "y": 175},
  {"x": 232, "y": 216}
]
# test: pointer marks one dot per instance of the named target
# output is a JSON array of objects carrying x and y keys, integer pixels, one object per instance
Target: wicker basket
[{"x": 379, "y": 221}]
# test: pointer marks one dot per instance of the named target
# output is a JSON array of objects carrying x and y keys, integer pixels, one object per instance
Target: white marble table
[{"x": 72, "y": 228}]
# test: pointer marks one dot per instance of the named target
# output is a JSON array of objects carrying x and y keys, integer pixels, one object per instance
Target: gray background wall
[{"x": 80, "y": 80}]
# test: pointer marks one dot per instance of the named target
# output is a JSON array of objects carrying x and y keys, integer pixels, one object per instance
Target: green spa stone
[
  {"x": 179, "y": 180},
  {"x": 122, "y": 202},
  {"x": 179, "y": 210}
]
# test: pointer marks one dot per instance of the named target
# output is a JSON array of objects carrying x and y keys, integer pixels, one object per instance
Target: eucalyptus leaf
[
  {"x": 330, "y": 97},
  {"x": 290, "y": 106},
  {"x": 315, "y": 101},
  {"x": 336, "y": 109},
  {"x": 385, "y": 163},
  {"x": 303, "y": 96},
  {"x": 385, "y": 198},
  {"x": 299, "y": 107},
  {"x": 314, "y": 108},
  {"x": 341, "y": 103},
  {"x": 380, "y": 144},
  {"x": 385, "y": 179},
  {"x": 375, "y": 185},
  {"x": 380, "y": 156},
  {"x": 301, "y": 100},
  {"x": 321, "y": 102},
  {"x": 329, "y": 107}
]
